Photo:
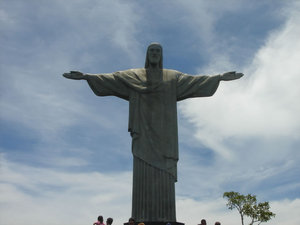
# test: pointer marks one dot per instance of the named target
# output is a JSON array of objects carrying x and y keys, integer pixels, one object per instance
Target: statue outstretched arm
[
  {"x": 103, "y": 84},
  {"x": 75, "y": 75},
  {"x": 231, "y": 76}
]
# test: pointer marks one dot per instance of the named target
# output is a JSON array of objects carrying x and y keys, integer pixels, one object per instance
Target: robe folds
[{"x": 153, "y": 128}]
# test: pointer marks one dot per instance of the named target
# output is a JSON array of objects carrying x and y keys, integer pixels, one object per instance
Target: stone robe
[{"x": 153, "y": 128}]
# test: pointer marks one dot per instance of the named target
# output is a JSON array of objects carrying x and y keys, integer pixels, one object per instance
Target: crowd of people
[
  {"x": 203, "y": 222},
  {"x": 131, "y": 221},
  {"x": 109, "y": 221}
]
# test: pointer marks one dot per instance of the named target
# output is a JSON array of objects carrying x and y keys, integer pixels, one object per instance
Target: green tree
[{"x": 247, "y": 206}]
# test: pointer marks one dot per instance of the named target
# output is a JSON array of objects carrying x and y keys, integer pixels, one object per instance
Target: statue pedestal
[{"x": 156, "y": 223}]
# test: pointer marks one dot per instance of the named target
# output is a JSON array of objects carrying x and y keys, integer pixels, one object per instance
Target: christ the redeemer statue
[{"x": 153, "y": 93}]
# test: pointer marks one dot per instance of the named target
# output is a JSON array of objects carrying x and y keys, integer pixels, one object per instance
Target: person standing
[
  {"x": 100, "y": 221},
  {"x": 203, "y": 222},
  {"x": 109, "y": 221},
  {"x": 131, "y": 221}
]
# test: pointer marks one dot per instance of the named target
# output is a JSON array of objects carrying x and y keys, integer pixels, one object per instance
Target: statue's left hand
[
  {"x": 231, "y": 76},
  {"x": 75, "y": 75}
]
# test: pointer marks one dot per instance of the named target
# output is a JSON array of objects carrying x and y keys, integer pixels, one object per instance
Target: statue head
[{"x": 154, "y": 55}]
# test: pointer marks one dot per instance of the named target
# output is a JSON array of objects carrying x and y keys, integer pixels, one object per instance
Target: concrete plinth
[{"x": 157, "y": 223}]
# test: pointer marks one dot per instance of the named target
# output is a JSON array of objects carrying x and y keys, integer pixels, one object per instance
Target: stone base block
[{"x": 157, "y": 223}]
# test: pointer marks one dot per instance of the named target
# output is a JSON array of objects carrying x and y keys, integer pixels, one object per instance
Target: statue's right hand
[{"x": 75, "y": 75}]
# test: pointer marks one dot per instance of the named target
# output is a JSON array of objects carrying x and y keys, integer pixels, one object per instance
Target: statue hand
[
  {"x": 75, "y": 75},
  {"x": 231, "y": 76}
]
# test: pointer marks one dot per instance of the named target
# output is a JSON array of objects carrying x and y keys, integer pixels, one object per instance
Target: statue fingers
[
  {"x": 75, "y": 72},
  {"x": 66, "y": 75},
  {"x": 231, "y": 73},
  {"x": 239, "y": 75}
]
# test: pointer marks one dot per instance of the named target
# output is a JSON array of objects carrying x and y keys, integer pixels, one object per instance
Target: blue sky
[{"x": 65, "y": 153}]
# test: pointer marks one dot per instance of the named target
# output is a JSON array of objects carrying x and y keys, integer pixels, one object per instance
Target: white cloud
[
  {"x": 251, "y": 126},
  {"x": 36, "y": 95},
  {"x": 255, "y": 116},
  {"x": 263, "y": 103},
  {"x": 41, "y": 195}
]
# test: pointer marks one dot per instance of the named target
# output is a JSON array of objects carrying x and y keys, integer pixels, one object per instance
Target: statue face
[{"x": 154, "y": 54}]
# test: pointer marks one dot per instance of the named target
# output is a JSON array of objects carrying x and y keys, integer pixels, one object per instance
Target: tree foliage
[{"x": 247, "y": 206}]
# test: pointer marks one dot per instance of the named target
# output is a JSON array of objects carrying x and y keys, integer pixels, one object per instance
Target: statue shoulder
[
  {"x": 137, "y": 70},
  {"x": 130, "y": 72},
  {"x": 135, "y": 74},
  {"x": 126, "y": 71},
  {"x": 172, "y": 73}
]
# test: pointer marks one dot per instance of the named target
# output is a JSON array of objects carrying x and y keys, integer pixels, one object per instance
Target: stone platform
[{"x": 157, "y": 223}]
